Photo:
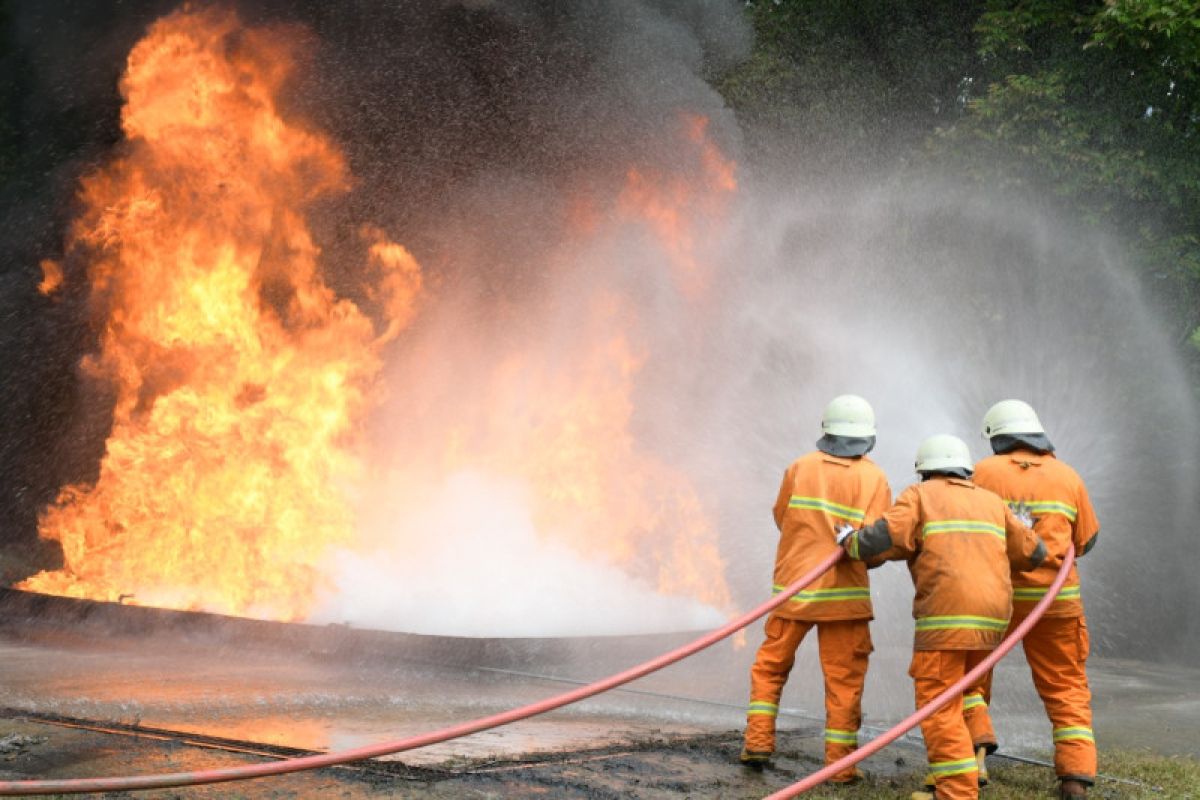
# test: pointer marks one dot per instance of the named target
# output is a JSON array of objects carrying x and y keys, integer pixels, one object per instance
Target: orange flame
[
  {"x": 240, "y": 379},
  {"x": 563, "y": 423},
  {"x": 567, "y": 432},
  {"x": 671, "y": 206},
  {"x": 239, "y": 376},
  {"x": 52, "y": 277}
]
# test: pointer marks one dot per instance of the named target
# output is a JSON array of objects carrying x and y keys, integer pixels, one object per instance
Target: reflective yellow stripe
[
  {"x": 762, "y": 707},
  {"x": 960, "y": 767},
  {"x": 962, "y": 622},
  {"x": 828, "y": 506},
  {"x": 841, "y": 737},
  {"x": 1040, "y": 508},
  {"x": 828, "y": 595},
  {"x": 962, "y": 526},
  {"x": 1066, "y": 734},
  {"x": 1034, "y": 593},
  {"x": 973, "y": 701}
]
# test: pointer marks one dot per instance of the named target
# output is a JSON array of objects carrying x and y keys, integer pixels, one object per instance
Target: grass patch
[{"x": 1163, "y": 778}]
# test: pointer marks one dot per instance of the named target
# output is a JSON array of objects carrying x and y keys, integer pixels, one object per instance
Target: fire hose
[
  {"x": 877, "y": 744},
  {"x": 245, "y": 772}
]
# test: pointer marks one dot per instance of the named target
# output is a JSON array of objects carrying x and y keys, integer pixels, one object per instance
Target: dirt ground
[
  {"x": 195, "y": 696},
  {"x": 671, "y": 766},
  {"x": 667, "y": 767}
]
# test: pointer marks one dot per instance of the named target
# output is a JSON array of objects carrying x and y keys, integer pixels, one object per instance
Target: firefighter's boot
[
  {"x": 1072, "y": 790},
  {"x": 755, "y": 759},
  {"x": 855, "y": 777}
]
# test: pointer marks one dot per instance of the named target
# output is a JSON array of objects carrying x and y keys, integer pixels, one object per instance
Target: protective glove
[
  {"x": 843, "y": 530},
  {"x": 1021, "y": 512}
]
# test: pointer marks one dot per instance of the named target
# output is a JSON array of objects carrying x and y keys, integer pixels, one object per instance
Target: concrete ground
[{"x": 673, "y": 735}]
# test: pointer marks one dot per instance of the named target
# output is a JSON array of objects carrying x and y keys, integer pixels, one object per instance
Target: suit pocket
[{"x": 774, "y": 627}]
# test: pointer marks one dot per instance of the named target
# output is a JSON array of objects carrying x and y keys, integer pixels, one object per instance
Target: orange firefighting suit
[
  {"x": 819, "y": 491},
  {"x": 960, "y": 542},
  {"x": 1057, "y": 646}
]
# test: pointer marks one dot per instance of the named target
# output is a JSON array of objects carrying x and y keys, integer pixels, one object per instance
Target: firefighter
[
  {"x": 1025, "y": 471},
  {"x": 835, "y": 484},
  {"x": 960, "y": 541}
]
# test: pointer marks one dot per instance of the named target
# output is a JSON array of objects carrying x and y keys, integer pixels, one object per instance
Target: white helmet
[
  {"x": 848, "y": 415},
  {"x": 1011, "y": 416},
  {"x": 943, "y": 452}
]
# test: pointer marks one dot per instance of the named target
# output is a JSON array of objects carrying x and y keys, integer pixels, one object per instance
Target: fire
[
  {"x": 239, "y": 377},
  {"x": 566, "y": 432},
  {"x": 52, "y": 277},
  {"x": 557, "y": 413},
  {"x": 672, "y": 204},
  {"x": 241, "y": 382}
]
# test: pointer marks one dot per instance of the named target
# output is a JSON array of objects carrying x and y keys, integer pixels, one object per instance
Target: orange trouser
[
  {"x": 975, "y": 712},
  {"x": 1057, "y": 651},
  {"x": 845, "y": 647},
  {"x": 947, "y": 742}
]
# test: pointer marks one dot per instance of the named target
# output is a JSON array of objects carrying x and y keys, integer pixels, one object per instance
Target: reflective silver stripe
[
  {"x": 1035, "y": 593},
  {"x": 841, "y": 737},
  {"x": 827, "y": 595},
  {"x": 962, "y": 622},
  {"x": 962, "y": 526},
  {"x": 1040, "y": 508},
  {"x": 762, "y": 707},
  {"x": 828, "y": 506},
  {"x": 959, "y": 767},
  {"x": 973, "y": 701},
  {"x": 1067, "y": 734}
]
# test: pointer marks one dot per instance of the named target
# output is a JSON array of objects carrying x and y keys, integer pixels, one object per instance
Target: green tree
[
  {"x": 1099, "y": 103},
  {"x": 1095, "y": 102},
  {"x": 865, "y": 81}
]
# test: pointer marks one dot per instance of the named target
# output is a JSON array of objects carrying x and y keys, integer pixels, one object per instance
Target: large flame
[
  {"x": 239, "y": 376},
  {"x": 241, "y": 380}
]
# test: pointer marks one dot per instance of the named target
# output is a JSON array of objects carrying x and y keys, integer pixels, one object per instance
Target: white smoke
[{"x": 475, "y": 565}]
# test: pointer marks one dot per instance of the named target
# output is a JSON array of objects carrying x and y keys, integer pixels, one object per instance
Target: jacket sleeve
[
  {"x": 784, "y": 497},
  {"x": 875, "y": 509},
  {"x": 1026, "y": 550},
  {"x": 1086, "y": 528},
  {"x": 892, "y": 537}
]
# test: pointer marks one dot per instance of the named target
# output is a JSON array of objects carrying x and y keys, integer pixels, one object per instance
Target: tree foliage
[
  {"x": 843, "y": 79},
  {"x": 1100, "y": 104},
  {"x": 1095, "y": 102}
]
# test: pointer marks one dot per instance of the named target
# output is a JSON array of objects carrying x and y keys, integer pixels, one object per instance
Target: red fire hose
[
  {"x": 915, "y": 719},
  {"x": 166, "y": 780}
]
